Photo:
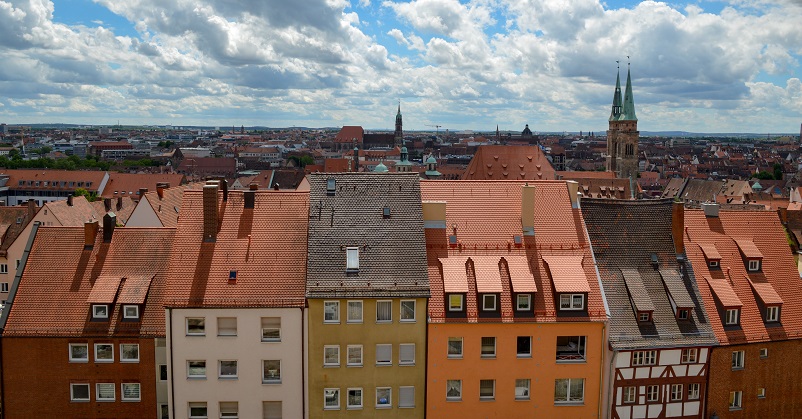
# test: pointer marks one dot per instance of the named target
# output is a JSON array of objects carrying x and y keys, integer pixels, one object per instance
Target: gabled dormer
[
  {"x": 678, "y": 296},
  {"x": 727, "y": 299},
  {"x": 638, "y": 296},
  {"x": 768, "y": 300},
  {"x": 712, "y": 256},
  {"x": 571, "y": 287},
  {"x": 753, "y": 259}
]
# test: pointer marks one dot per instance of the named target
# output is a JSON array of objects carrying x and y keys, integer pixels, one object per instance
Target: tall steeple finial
[
  {"x": 628, "y": 112},
  {"x": 616, "y": 111}
]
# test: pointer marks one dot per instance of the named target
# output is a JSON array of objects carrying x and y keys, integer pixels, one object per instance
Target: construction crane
[{"x": 437, "y": 129}]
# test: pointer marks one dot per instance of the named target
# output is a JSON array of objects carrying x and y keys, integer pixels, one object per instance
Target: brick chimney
[
  {"x": 107, "y": 204},
  {"x": 90, "y": 233},
  {"x": 528, "y": 210},
  {"x": 210, "y": 212},
  {"x": 109, "y": 222},
  {"x": 69, "y": 201},
  {"x": 31, "y": 209},
  {"x": 160, "y": 187},
  {"x": 224, "y": 185},
  {"x": 678, "y": 226},
  {"x": 119, "y": 203},
  {"x": 142, "y": 192}
]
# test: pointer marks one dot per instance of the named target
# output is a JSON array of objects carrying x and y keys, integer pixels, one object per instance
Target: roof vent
[
  {"x": 711, "y": 209},
  {"x": 654, "y": 260},
  {"x": 386, "y": 212}
]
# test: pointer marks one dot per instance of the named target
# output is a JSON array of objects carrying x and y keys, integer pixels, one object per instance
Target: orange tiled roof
[
  {"x": 104, "y": 290},
  {"x": 455, "y": 277},
  {"x": 128, "y": 184},
  {"x": 520, "y": 276},
  {"x": 509, "y": 163},
  {"x": 488, "y": 277},
  {"x": 126, "y": 208},
  {"x": 76, "y": 214},
  {"x": 46, "y": 179},
  {"x": 567, "y": 273}
]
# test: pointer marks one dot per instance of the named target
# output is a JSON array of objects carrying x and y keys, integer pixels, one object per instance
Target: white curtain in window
[
  {"x": 384, "y": 311},
  {"x": 355, "y": 311}
]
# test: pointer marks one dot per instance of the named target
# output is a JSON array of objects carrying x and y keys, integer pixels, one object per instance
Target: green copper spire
[
  {"x": 629, "y": 103},
  {"x": 616, "y": 112}
]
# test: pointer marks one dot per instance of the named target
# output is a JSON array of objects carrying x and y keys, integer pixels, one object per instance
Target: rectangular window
[
  {"x": 737, "y": 360},
  {"x": 227, "y": 369},
  {"x": 735, "y": 400},
  {"x": 772, "y": 313},
  {"x": 79, "y": 352},
  {"x": 197, "y": 410},
  {"x": 454, "y": 390},
  {"x": 652, "y": 393},
  {"x": 408, "y": 311},
  {"x": 354, "y": 398},
  {"x": 100, "y": 311},
  {"x": 732, "y": 316},
  {"x": 489, "y": 302},
  {"x": 3, "y": 286},
  {"x": 693, "y": 391},
  {"x": 629, "y": 394},
  {"x": 569, "y": 390},
  {"x": 331, "y": 311},
  {"x": 384, "y": 397},
  {"x": 384, "y": 311},
  {"x": 522, "y": 388},
  {"x": 523, "y": 302},
  {"x": 271, "y": 410},
  {"x": 105, "y": 392},
  {"x": 354, "y": 312},
  {"x": 3, "y": 268},
  {"x": 570, "y": 348},
  {"x": 754, "y": 265},
  {"x": 352, "y": 259},
  {"x": 354, "y": 356},
  {"x": 79, "y": 392},
  {"x": 104, "y": 352},
  {"x": 406, "y": 397},
  {"x": 131, "y": 392},
  {"x": 229, "y": 410},
  {"x": 162, "y": 372},
  {"x": 129, "y": 352},
  {"x": 164, "y": 411},
  {"x": 487, "y": 389},
  {"x": 713, "y": 264},
  {"x": 331, "y": 356},
  {"x": 271, "y": 329},
  {"x": 764, "y": 352},
  {"x": 226, "y": 326},
  {"x": 196, "y": 369},
  {"x": 271, "y": 371},
  {"x": 644, "y": 358},
  {"x": 454, "y": 302},
  {"x": 455, "y": 347},
  {"x": 572, "y": 301},
  {"x": 130, "y": 312},
  {"x": 524, "y": 347},
  {"x": 676, "y": 392},
  {"x": 644, "y": 316},
  {"x": 196, "y": 326},
  {"x": 406, "y": 354},
  {"x": 683, "y": 314},
  {"x": 761, "y": 393},
  {"x": 384, "y": 354},
  {"x": 488, "y": 347},
  {"x": 689, "y": 355}
]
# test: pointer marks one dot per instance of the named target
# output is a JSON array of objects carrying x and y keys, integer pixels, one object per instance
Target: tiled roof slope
[
  {"x": 392, "y": 252},
  {"x": 265, "y": 245},
  {"x": 167, "y": 207},
  {"x": 51, "y": 299},
  {"x": 127, "y": 206},
  {"x": 12, "y": 221},
  {"x": 487, "y": 216},
  {"x": 62, "y": 180},
  {"x": 508, "y": 162},
  {"x": 76, "y": 214},
  {"x": 130, "y": 183},
  {"x": 624, "y": 235},
  {"x": 778, "y": 269}
]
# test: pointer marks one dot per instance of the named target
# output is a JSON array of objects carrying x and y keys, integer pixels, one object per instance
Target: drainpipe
[
  {"x": 303, "y": 366},
  {"x": 601, "y": 369},
  {"x": 172, "y": 364}
]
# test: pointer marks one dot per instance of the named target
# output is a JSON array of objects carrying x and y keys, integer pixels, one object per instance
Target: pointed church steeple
[
  {"x": 628, "y": 113},
  {"x": 399, "y": 131},
  {"x": 616, "y": 111}
]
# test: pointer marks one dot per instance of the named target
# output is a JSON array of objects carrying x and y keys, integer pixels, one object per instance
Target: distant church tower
[
  {"x": 622, "y": 135},
  {"x": 399, "y": 133}
]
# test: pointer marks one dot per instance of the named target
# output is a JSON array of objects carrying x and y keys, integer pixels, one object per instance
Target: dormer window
[
  {"x": 489, "y": 302},
  {"x": 455, "y": 302},
  {"x": 386, "y": 212},
  {"x": 518, "y": 240},
  {"x": 772, "y": 313},
  {"x": 753, "y": 265},
  {"x": 452, "y": 240},
  {"x": 572, "y": 301},
  {"x": 131, "y": 312},
  {"x": 523, "y": 302},
  {"x": 714, "y": 264},
  {"x": 683, "y": 314},
  {"x": 732, "y": 316},
  {"x": 100, "y": 311},
  {"x": 644, "y": 316},
  {"x": 352, "y": 259}
]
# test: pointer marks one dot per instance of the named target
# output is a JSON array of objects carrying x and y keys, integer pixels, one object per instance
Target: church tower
[
  {"x": 622, "y": 135},
  {"x": 399, "y": 133}
]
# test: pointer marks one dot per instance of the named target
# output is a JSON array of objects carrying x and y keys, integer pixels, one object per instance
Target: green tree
[
  {"x": 778, "y": 171},
  {"x": 90, "y": 196}
]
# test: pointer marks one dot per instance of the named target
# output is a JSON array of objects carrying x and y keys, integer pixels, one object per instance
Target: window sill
[
  {"x": 384, "y": 321},
  {"x": 104, "y": 361},
  {"x": 131, "y": 401},
  {"x": 354, "y": 408},
  {"x": 331, "y": 322},
  {"x": 271, "y": 341},
  {"x": 196, "y": 334},
  {"x": 331, "y": 408},
  {"x": 80, "y": 401},
  {"x": 455, "y": 357},
  {"x": 271, "y": 382},
  {"x": 406, "y": 407},
  {"x": 105, "y": 400},
  {"x": 384, "y": 365},
  {"x": 197, "y": 378},
  {"x": 732, "y": 409},
  {"x": 331, "y": 366},
  {"x": 226, "y": 336},
  {"x": 355, "y": 365},
  {"x": 354, "y": 322},
  {"x": 382, "y": 407},
  {"x": 454, "y": 400},
  {"x": 79, "y": 361},
  {"x": 761, "y": 397},
  {"x": 406, "y": 364},
  {"x": 569, "y": 403},
  {"x": 525, "y": 356},
  {"x": 407, "y": 321},
  {"x": 738, "y": 369},
  {"x": 584, "y": 361},
  {"x": 488, "y": 357},
  {"x": 487, "y": 399},
  {"x": 129, "y": 361},
  {"x": 228, "y": 378}
]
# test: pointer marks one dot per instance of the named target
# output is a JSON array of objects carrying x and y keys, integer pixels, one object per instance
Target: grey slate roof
[
  {"x": 392, "y": 250},
  {"x": 624, "y": 235}
]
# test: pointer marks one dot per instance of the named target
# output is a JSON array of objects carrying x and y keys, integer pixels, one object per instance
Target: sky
[{"x": 699, "y": 66}]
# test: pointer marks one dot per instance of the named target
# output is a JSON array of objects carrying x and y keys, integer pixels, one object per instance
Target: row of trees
[{"x": 14, "y": 161}]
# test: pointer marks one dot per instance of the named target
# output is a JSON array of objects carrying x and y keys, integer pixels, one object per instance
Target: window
[
  {"x": 100, "y": 311},
  {"x": 761, "y": 393},
  {"x": 676, "y": 392},
  {"x": 162, "y": 372},
  {"x": 196, "y": 369},
  {"x": 384, "y": 397},
  {"x": 104, "y": 392},
  {"x": 644, "y": 358},
  {"x": 652, "y": 393},
  {"x": 229, "y": 409},
  {"x": 732, "y": 316},
  {"x": 79, "y": 392},
  {"x": 683, "y": 314},
  {"x": 271, "y": 329},
  {"x": 3, "y": 268},
  {"x": 226, "y": 326},
  {"x": 164, "y": 411},
  {"x": 713, "y": 264},
  {"x": 454, "y": 302},
  {"x": 644, "y": 316},
  {"x": 772, "y": 313},
  {"x": 764, "y": 352},
  {"x": 3, "y": 286},
  {"x": 227, "y": 369},
  {"x": 407, "y": 310},
  {"x": 104, "y": 352},
  {"x": 197, "y": 410},
  {"x": 331, "y": 186},
  {"x": 689, "y": 355},
  {"x": 524, "y": 347},
  {"x": 455, "y": 347},
  {"x": 386, "y": 212},
  {"x": 629, "y": 394},
  {"x": 79, "y": 352},
  {"x": 384, "y": 354},
  {"x": 129, "y": 352},
  {"x": 271, "y": 410},
  {"x": 352, "y": 259},
  {"x": 354, "y": 312},
  {"x": 569, "y": 390},
  {"x": 331, "y": 398},
  {"x": 271, "y": 371},
  {"x": 196, "y": 326},
  {"x": 488, "y": 347},
  {"x": 523, "y": 302},
  {"x": 406, "y": 396},
  {"x": 487, "y": 389},
  {"x": 331, "y": 311},
  {"x": 384, "y": 311},
  {"x": 354, "y": 398},
  {"x": 754, "y": 265},
  {"x": 454, "y": 390},
  {"x": 489, "y": 302},
  {"x": 130, "y": 312},
  {"x": 354, "y": 356},
  {"x": 570, "y": 348},
  {"x": 693, "y": 391},
  {"x": 522, "y": 388},
  {"x": 406, "y": 354},
  {"x": 735, "y": 400},
  {"x": 737, "y": 360},
  {"x": 572, "y": 301},
  {"x": 130, "y": 392},
  {"x": 331, "y": 356}
]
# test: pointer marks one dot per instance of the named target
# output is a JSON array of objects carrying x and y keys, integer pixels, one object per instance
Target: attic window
[
  {"x": 100, "y": 311},
  {"x": 517, "y": 240},
  {"x": 232, "y": 275},
  {"x": 754, "y": 265},
  {"x": 683, "y": 314},
  {"x": 331, "y": 186},
  {"x": 452, "y": 239},
  {"x": 644, "y": 316},
  {"x": 713, "y": 264},
  {"x": 386, "y": 212},
  {"x": 130, "y": 311},
  {"x": 352, "y": 259},
  {"x": 654, "y": 260}
]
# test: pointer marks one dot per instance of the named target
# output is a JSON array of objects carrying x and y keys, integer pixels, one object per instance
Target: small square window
[
  {"x": 198, "y": 410},
  {"x": 629, "y": 394},
  {"x": 331, "y": 311},
  {"x": 100, "y": 311},
  {"x": 232, "y": 275},
  {"x": 196, "y": 369},
  {"x": 386, "y": 212},
  {"x": 644, "y": 316},
  {"x": 226, "y": 326},
  {"x": 131, "y": 312},
  {"x": 523, "y": 302},
  {"x": 331, "y": 355},
  {"x": 105, "y": 392},
  {"x": 227, "y": 369},
  {"x": 352, "y": 258},
  {"x": 761, "y": 393},
  {"x": 79, "y": 392},
  {"x": 229, "y": 410},
  {"x": 271, "y": 371},
  {"x": 129, "y": 352},
  {"x": 764, "y": 352},
  {"x": 454, "y": 390},
  {"x": 489, "y": 302},
  {"x": 331, "y": 398},
  {"x": 104, "y": 352},
  {"x": 689, "y": 355},
  {"x": 754, "y": 265},
  {"x": 455, "y": 302},
  {"x": 384, "y": 396},
  {"x": 354, "y": 312},
  {"x": 354, "y": 398},
  {"x": 131, "y": 392},
  {"x": 522, "y": 388},
  {"x": 384, "y": 354},
  {"x": 488, "y": 347},
  {"x": 354, "y": 356},
  {"x": 407, "y": 311},
  {"x": 455, "y": 347},
  {"x": 79, "y": 352},
  {"x": 524, "y": 347},
  {"x": 487, "y": 389},
  {"x": 196, "y": 326},
  {"x": 271, "y": 329}
]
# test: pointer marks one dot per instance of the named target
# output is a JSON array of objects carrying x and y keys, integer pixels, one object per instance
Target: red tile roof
[
  {"x": 748, "y": 249},
  {"x": 455, "y": 277},
  {"x": 348, "y": 134},
  {"x": 709, "y": 249},
  {"x": 567, "y": 273},
  {"x": 130, "y": 183},
  {"x": 61, "y": 180},
  {"x": 520, "y": 275},
  {"x": 488, "y": 277},
  {"x": 509, "y": 163},
  {"x": 765, "y": 292},
  {"x": 104, "y": 290},
  {"x": 135, "y": 289},
  {"x": 724, "y": 292},
  {"x": 168, "y": 207}
]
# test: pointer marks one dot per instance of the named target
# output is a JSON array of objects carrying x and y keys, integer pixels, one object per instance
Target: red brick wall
[
  {"x": 37, "y": 376},
  {"x": 779, "y": 374}
]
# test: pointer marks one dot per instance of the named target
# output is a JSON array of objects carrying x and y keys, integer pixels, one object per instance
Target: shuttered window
[
  {"x": 229, "y": 409},
  {"x": 384, "y": 354},
  {"x": 271, "y": 410},
  {"x": 105, "y": 392},
  {"x": 406, "y": 396},
  {"x": 226, "y": 326},
  {"x": 406, "y": 354}
]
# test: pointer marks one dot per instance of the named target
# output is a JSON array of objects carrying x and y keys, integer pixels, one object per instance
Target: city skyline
[{"x": 710, "y": 66}]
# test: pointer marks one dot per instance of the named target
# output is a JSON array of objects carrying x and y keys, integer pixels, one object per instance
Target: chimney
[
  {"x": 573, "y": 193},
  {"x": 109, "y": 222},
  {"x": 250, "y": 198},
  {"x": 528, "y": 210},
  {"x": 107, "y": 204},
  {"x": 678, "y": 226},
  {"x": 224, "y": 185},
  {"x": 69, "y": 201},
  {"x": 711, "y": 209},
  {"x": 119, "y": 203},
  {"x": 160, "y": 187},
  {"x": 90, "y": 233},
  {"x": 210, "y": 212},
  {"x": 253, "y": 186},
  {"x": 434, "y": 214},
  {"x": 31, "y": 209},
  {"x": 142, "y": 192}
]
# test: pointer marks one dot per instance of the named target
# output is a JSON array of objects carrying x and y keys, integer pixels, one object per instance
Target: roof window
[{"x": 331, "y": 186}]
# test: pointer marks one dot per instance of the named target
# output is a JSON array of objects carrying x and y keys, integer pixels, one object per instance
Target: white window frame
[
  {"x": 489, "y": 302},
  {"x": 676, "y": 392},
  {"x": 227, "y": 332},
  {"x": 355, "y": 303},
  {"x": 571, "y": 303},
  {"x": 689, "y": 355},
  {"x": 753, "y": 265},
  {"x": 528, "y": 353},
  {"x": 652, "y": 393},
  {"x": 568, "y": 399},
  {"x": 401, "y": 314},
  {"x": 738, "y": 360},
  {"x": 3, "y": 286},
  {"x": 113, "y": 388},
  {"x": 390, "y": 311},
  {"x": 713, "y": 263},
  {"x": 122, "y": 353},
  {"x": 761, "y": 393},
  {"x": 3, "y": 268},
  {"x": 694, "y": 391},
  {"x": 389, "y": 393},
  {"x": 336, "y": 393},
  {"x": 202, "y": 323},
  {"x": 77, "y": 345},
  {"x": 629, "y": 394},
  {"x": 228, "y": 376},
  {"x": 227, "y": 406},
  {"x": 99, "y": 360},
  {"x": 461, "y": 298},
  {"x": 189, "y": 368},
  {"x": 197, "y": 405},
  {"x": 523, "y": 388},
  {"x": 269, "y": 327},
  {"x": 348, "y": 404},
  {"x": 271, "y": 380},
  {"x": 640, "y": 358},
  {"x": 732, "y": 316},
  {"x": 389, "y": 360},
  {"x": 326, "y": 349},
  {"x": 131, "y": 399},
  {"x": 401, "y": 360},
  {"x": 127, "y": 307},
  {"x": 352, "y": 258},
  {"x": 461, "y": 348},
  {"x": 100, "y": 311},
  {"x": 458, "y": 387},
  {"x": 764, "y": 352},
  {"x": 772, "y": 313},
  {"x": 336, "y": 313},
  {"x": 492, "y": 395},
  {"x": 482, "y": 347},
  {"x": 523, "y": 307},
  {"x": 355, "y": 348},
  {"x": 736, "y": 400},
  {"x": 72, "y": 392}
]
